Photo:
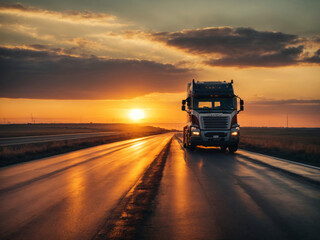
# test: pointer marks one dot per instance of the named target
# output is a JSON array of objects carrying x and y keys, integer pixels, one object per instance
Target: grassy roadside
[
  {"x": 295, "y": 144},
  {"x": 19, "y": 130},
  {"x": 26, "y": 152}
]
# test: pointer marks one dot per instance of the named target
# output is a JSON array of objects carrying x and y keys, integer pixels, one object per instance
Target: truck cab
[{"x": 212, "y": 109}]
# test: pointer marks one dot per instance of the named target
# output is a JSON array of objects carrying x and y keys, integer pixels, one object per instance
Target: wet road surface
[
  {"x": 207, "y": 194},
  {"x": 203, "y": 194},
  {"x": 69, "y": 196},
  {"x": 49, "y": 138}
]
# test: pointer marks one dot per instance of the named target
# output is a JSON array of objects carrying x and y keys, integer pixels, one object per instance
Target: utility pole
[
  {"x": 32, "y": 119},
  {"x": 287, "y": 120}
]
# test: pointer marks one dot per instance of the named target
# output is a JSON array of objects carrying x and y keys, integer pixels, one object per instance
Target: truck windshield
[{"x": 214, "y": 104}]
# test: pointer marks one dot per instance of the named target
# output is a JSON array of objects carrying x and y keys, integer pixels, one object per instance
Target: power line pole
[{"x": 32, "y": 119}]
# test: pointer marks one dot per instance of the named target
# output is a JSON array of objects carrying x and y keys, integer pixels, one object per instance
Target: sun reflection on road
[
  {"x": 76, "y": 201},
  {"x": 137, "y": 145}
]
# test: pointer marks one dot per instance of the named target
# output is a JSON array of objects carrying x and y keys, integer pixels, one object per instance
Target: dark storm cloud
[
  {"x": 285, "y": 57},
  {"x": 241, "y": 47},
  {"x": 227, "y": 40},
  {"x": 47, "y": 75}
]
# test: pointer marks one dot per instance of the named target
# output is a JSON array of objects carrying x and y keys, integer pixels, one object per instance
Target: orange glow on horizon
[
  {"x": 161, "y": 110},
  {"x": 137, "y": 114}
]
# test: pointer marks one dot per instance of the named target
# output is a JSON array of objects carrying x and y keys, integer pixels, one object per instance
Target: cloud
[
  {"x": 271, "y": 102},
  {"x": 76, "y": 51},
  {"x": 227, "y": 40},
  {"x": 43, "y": 74},
  {"x": 285, "y": 57},
  {"x": 315, "y": 58},
  {"x": 240, "y": 47},
  {"x": 294, "y": 107},
  {"x": 71, "y": 16}
]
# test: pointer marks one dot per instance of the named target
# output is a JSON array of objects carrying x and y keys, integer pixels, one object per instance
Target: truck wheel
[
  {"x": 233, "y": 148},
  {"x": 223, "y": 149},
  {"x": 185, "y": 145},
  {"x": 184, "y": 141},
  {"x": 188, "y": 146},
  {"x": 192, "y": 148}
]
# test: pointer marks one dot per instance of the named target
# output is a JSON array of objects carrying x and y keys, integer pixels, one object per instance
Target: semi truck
[{"x": 212, "y": 109}]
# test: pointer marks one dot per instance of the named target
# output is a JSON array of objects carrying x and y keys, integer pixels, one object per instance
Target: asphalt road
[
  {"x": 69, "y": 196},
  {"x": 207, "y": 194},
  {"x": 203, "y": 194},
  {"x": 49, "y": 138}
]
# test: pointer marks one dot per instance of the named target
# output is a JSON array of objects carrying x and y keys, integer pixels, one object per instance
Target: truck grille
[{"x": 215, "y": 122}]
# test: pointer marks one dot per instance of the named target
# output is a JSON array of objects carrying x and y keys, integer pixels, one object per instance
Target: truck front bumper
[{"x": 215, "y": 138}]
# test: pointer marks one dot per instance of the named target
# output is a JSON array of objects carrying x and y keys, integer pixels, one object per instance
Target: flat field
[
  {"x": 297, "y": 144},
  {"x": 19, "y": 130},
  {"x": 13, "y": 154}
]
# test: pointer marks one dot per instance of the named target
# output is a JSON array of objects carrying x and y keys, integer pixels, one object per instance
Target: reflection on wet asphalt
[
  {"x": 69, "y": 196},
  {"x": 207, "y": 194},
  {"x": 203, "y": 194}
]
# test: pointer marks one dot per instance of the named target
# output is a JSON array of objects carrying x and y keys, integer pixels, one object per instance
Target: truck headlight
[
  {"x": 234, "y": 133},
  {"x": 195, "y": 131}
]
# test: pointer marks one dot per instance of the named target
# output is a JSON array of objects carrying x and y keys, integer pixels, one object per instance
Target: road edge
[
  {"x": 282, "y": 169},
  {"x": 282, "y": 159},
  {"x": 126, "y": 219}
]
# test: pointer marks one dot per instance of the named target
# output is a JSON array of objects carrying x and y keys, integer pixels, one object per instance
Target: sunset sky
[{"x": 95, "y": 61}]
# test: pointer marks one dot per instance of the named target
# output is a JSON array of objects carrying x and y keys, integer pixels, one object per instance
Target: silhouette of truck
[{"x": 212, "y": 109}]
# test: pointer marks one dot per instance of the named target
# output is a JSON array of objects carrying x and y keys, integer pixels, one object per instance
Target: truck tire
[
  {"x": 185, "y": 145},
  {"x": 233, "y": 148}
]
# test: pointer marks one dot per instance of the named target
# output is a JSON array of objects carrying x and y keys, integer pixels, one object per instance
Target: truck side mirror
[
  {"x": 241, "y": 105},
  {"x": 183, "y": 108},
  {"x": 188, "y": 101},
  {"x": 183, "y": 102}
]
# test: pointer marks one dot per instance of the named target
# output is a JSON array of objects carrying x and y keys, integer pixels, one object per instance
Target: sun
[{"x": 136, "y": 114}]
